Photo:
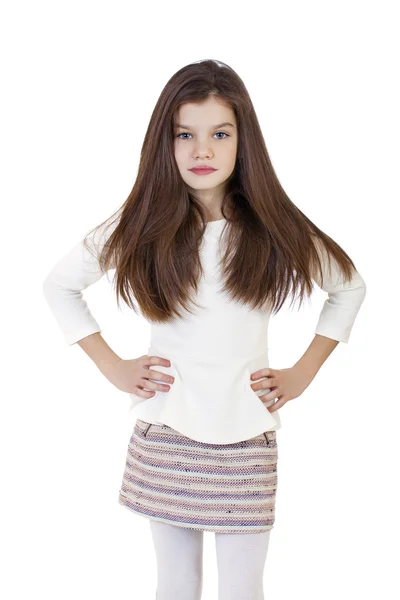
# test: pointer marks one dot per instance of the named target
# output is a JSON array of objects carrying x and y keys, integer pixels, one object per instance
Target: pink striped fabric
[{"x": 228, "y": 488}]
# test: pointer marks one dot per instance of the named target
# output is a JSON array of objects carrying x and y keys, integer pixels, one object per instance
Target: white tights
[{"x": 179, "y": 553}]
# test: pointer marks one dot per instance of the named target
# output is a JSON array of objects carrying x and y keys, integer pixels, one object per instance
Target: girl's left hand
[{"x": 285, "y": 384}]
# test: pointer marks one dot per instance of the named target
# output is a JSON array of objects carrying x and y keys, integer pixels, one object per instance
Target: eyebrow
[{"x": 213, "y": 127}]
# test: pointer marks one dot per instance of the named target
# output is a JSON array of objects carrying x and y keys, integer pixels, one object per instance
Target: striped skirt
[{"x": 228, "y": 488}]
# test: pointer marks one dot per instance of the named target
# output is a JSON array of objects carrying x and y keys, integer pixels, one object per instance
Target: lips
[
  {"x": 202, "y": 170},
  {"x": 202, "y": 167}
]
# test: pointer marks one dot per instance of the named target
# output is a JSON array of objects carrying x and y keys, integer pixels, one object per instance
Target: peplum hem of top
[{"x": 211, "y": 400}]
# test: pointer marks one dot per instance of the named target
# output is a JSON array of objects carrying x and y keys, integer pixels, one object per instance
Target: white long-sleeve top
[{"x": 212, "y": 352}]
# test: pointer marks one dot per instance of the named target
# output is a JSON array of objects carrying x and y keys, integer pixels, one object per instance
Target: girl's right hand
[{"x": 132, "y": 375}]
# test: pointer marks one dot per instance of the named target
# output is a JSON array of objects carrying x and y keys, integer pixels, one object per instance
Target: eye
[{"x": 185, "y": 133}]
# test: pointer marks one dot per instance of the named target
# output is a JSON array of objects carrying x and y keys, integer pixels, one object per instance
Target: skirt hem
[{"x": 210, "y": 528}]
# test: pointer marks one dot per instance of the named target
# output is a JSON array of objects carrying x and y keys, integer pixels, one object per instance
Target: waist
[
  {"x": 214, "y": 338},
  {"x": 208, "y": 358}
]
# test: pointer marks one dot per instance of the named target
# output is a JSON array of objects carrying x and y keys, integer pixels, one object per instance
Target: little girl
[{"x": 206, "y": 247}]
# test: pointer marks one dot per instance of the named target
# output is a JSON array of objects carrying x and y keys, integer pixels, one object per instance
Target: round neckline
[
  {"x": 214, "y": 228},
  {"x": 215, "y": 222}
]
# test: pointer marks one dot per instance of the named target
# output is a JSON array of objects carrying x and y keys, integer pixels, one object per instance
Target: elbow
[
  {"x": 47, "y": 284},
  {"x": 359, "y": 287},
  {"x": 362, "y": 290}
]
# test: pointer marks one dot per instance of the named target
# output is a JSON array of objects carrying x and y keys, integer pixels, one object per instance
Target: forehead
[{"x": 209, "y": 113}]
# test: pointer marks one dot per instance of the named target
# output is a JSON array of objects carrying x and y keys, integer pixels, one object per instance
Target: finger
[
  {"x": 155, "y": 386},
  {"x": 159, "y": 376},
  {"x": 277, "y": 405},
  {"x": 156, "y": 360},
  {"x": 143, "y": 393},
  {"x": 263, "y": 373},
  {"x": 268, "y": 401},
  {"x": 263, "y": 384},
  {"x": 272, "y": 395}
]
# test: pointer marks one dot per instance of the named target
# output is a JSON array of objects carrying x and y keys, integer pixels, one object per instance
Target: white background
[{"x": 80, "y": 81}]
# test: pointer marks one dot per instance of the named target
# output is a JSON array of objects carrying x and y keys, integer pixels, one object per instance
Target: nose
[
  {"x": 201, "y": 150},
  {"x": 203, "y": 155}
]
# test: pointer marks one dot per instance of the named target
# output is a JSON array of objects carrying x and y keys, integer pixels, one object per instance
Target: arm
[
  {"x": 334, "y": 325},
  {"x": 99, "y": 351},
  {"x": 63, "y": 289},
  {"x": 336, "y": 318},
  {"x": 64, "y": 284},
  {"x": 315, "y": 356}
]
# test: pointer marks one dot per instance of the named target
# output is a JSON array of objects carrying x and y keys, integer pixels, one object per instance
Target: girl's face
[{"x": 206, "y": 134}]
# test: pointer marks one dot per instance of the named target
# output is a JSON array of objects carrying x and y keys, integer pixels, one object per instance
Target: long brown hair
[{"x": 273, "y": 249}]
